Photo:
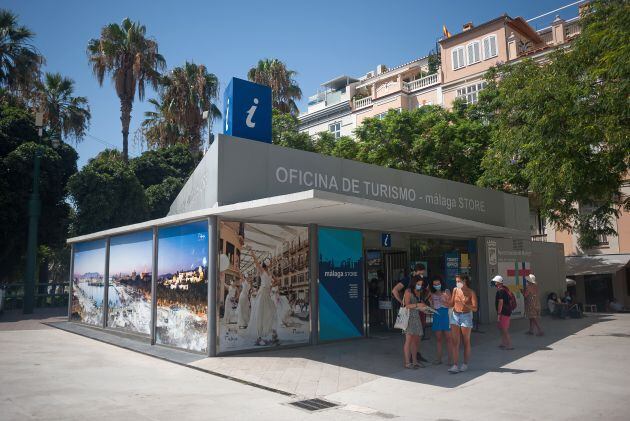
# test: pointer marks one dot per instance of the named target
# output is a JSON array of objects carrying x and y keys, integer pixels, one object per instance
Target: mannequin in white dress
[
  {"x": 229, "y": 314},
  {"x": 263, "y": 320},
  {"x": 243, "y": 310},
  {"x": 283, "y": 308}
]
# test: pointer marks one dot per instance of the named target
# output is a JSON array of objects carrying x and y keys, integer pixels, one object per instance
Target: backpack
[{"x": 512, "y": 300}]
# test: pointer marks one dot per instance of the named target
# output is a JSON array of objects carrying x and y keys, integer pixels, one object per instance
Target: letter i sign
[{"x": 247, "y": 110}]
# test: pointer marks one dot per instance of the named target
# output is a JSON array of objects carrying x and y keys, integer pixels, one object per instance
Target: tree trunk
[{"x": 125, "y": 118}]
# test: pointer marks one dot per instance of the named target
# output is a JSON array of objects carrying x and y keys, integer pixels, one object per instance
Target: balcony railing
[
  {"x": 362, "y": 103},
  {"x": 572, "y": 29},
  {"x": 540, "y": 238},
  {"x": 424, "y": 82},
  {"x": 547, "y": 37}
]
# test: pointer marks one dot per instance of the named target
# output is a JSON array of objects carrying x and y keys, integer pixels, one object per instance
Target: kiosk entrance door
[{"x": 385, "y": 269}]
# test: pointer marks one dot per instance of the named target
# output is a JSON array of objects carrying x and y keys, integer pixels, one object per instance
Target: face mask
[
  {"x": 437, "y": 287},
  {"x": 460, "y": 285},
  {"x": 418, "y": 287}
]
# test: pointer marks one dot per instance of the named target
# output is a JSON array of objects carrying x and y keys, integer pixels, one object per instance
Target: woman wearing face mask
[
  {"x": 464, "y": 303},
  {"x": 411, "y": 300},
  {"x": 440, "y": 298}
]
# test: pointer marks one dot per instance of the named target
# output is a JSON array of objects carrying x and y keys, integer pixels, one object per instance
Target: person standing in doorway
[
  {"x": 504, "y": 312},
  {"x": 440, "y": 298},
  {"x": 464, "y": 303},
  {"x": 413, "y": 333},
  {"x": 402, "y": 286},
  {"x": 532, "y": 305}
]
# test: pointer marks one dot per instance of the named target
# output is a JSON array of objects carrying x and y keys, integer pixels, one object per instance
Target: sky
[
  {"x": 131, "y": 252},
  {"x": 182, "y": 247},
  {"x": 319, "y": 39}
]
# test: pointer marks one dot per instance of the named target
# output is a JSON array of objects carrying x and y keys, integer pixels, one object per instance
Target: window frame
[
  {"x": 496, "y": 47},
  {"x": 336, "y": 133},
  {"x": 468, "y": 58},
  {"x": 453, "y": 52}
]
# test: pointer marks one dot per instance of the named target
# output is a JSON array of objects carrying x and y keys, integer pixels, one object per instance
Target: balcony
[
  {"x": 421, "y": 83},
  {"x": 572, "y": 29},
  {"x": 362, "y": 103}
]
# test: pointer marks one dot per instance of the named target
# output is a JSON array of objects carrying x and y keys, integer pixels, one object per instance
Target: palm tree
[
  {"x": 19, "y": 60},
  {"x": 284, "y": 89},
  {"x": 64, "y": 114},
  {"x": 132, "y": 59},
  {"x": 156, "y": 131},
  {"x": 185, "y": 93}
]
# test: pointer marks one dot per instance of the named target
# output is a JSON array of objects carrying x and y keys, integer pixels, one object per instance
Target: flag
[{"x": 445, "y": 32}]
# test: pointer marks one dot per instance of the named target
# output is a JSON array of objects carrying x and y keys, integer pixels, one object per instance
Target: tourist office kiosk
[{"x": 270, "y": 246}]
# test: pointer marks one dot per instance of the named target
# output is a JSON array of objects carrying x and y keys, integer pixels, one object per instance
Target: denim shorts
[{"x": 462, "y": 319}]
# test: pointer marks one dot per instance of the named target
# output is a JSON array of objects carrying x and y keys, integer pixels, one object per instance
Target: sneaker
[
  {"x": 453, "y": 369},
  {"x": 463, "y": 368}
]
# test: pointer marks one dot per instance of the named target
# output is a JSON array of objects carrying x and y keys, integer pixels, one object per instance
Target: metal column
[
  {"x": 106, "y": 281},
  {"x": 314, "y": 281},
  {"x": 213, "y": 238},
  {"x": 70, "y": 282},
  {"x": 154, "y": 276}
]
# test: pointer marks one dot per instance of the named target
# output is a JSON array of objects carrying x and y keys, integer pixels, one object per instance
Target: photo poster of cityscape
[
  {"x": 88, "y": 282},
  {"x": 130, "y": 271},
  {"x": 263, "y": 287},
  {"x": 340, "y": 284},
  {"x": 182, "y": 286}
]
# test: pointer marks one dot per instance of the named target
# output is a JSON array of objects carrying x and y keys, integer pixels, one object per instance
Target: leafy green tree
[
  {"x": 284, "y": 89},
  {"x": 429, "y": 140},
  {"x": 162, "y": 173},
  {"x": 107, "y": 194},
  {"x": 132, "y": 59},
  {"x": 284, "y": 132},
  {"x": 19, "y": 60},
  {"x": 19, "y": 142},
  {"x": 185, "y": 93},
  {"x": 64, "y": 114},
  {"x": 160, "y": 196},
  {"x": 561, "y": 128}
]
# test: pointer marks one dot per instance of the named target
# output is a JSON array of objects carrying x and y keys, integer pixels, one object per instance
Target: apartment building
[
  {"x": 344, "y": 102},
  {"x": 597, "y": 275}
]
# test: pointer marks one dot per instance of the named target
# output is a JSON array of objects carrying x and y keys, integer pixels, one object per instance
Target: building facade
[{"x": 465, "y": 57}]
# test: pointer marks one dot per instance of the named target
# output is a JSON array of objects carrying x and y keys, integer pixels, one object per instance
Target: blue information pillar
[{"x": 247, "y": 110}]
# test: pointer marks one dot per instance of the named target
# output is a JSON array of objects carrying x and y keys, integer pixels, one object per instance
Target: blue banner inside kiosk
[{"x": 340, "y": 284}]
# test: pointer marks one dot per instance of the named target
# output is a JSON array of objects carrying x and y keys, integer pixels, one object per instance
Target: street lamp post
[{"x": 34, "y": 210}]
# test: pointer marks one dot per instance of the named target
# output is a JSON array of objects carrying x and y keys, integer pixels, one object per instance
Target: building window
[
  {"x": 335, "y": 129},
  {"x": 474, "y": 55},
  {"x": 489, "y": 47},
  {"x": 382, "y": 115},
  {"x": 459, "y": 60},
  {"x": 470, "y": 94}
]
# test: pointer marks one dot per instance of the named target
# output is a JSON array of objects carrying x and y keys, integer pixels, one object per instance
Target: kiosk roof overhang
[{"x": 331, "y": 209}]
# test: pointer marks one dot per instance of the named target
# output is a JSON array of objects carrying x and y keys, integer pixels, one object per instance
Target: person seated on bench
[{"x": 552, "y": 301}]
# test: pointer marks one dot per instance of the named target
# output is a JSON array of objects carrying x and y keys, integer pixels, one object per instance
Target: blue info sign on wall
[{"x": 247, "y": 110}]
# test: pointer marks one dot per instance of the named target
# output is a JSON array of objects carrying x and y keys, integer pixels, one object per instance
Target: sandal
[
  {"x": 409, "y": 365},
  {"x": 418, "y": 365}
]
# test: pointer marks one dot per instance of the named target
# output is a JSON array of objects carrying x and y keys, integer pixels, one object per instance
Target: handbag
[{"x": 402, "y": 320}]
